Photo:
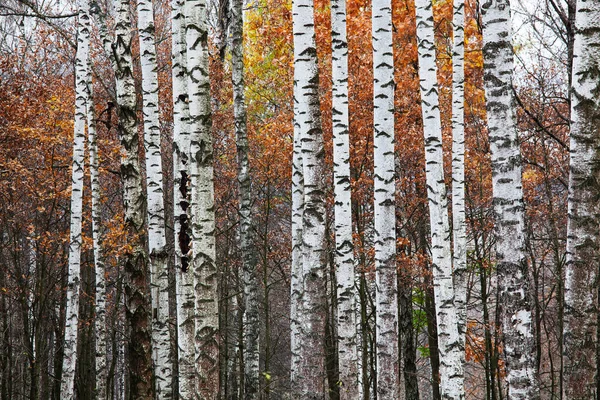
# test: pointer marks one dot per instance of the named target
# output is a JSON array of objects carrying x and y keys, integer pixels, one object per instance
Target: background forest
[{"x": 317, "y": 200}]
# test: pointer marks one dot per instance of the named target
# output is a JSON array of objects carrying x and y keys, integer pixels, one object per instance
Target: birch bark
[
  {"x": 72, "y": 309},
  {"x": 157, "y": 240},
  {"x": 450, "y": 346},
  {"x": 519, "y": 346},
  {"x": 459, "y": 225},
  {"x": 138, "y": 309},
  {"x": 296, "y": 285},
  {"x": 344, "y": 259},
  {"x": 310, "y": 378},
  {"x": 583, "y": 230},
  {"x": 184, "y": 277},
  {"x": 202, "y": 203},
  {"x": 99, "y": 268},
  {"x": 251, "y": 301},
  {"x": 386, "y": 338}
]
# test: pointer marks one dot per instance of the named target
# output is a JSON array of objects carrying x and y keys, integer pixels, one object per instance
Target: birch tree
[
  {"x": 583, "y": 231},
  {"x": 386, "y": 338},
  {"x": 519, "y": 346},
  {"x": 251, "y": 301},
  {"x": 138, "y": 309},
  {"x": 157, "y": 241},
  {"x": 309, "y": 381},
  {"x": 344, "y": 259},
  {"x": 450, "y": 346},
  {"x": 459, "y": 226},
  {"x": 184, "y": 277},
  {"x": 99, "y": 267},
  {"x": 202, "y": 202},
  {"x": 75, "y": 241},
  {"x": 296, "y": 285}
]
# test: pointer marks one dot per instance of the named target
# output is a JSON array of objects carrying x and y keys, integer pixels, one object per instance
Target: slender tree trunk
[
  {"x": 138, "y": 308},
  {"x": 309, "y": 382},
  {"x": 181, "y": 146},
  {"x": 251, "y": 300},
  {"x": 451, "y": 347},
  {"x": 296, "y": 285},
  {"x": 158, "y": 257},
  {"x": 100, "y": 296},
  {"x": 388, "y": 378},
  {"x": 519, "y": 346},
  {"x": 459, "y": 225},
  {"x": 202, "y": 203},
  {"x": 72, "y": 321},
  {"x": 583, "y": 231},
  {"x": 344, "y": 260}
]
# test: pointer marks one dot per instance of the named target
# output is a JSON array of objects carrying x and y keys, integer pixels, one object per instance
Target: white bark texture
[
  {"x": 99, "y": 268},
  {"x": 184, "y": 277},
  {"x": 138, "y": 307},
  {"x": 344, "y": 258},
  {"x": 202, "y": 203},
  {"x": 583, "y": 231},
  {"x": 296, "y": 285},
  {"x": 310, "y": 378},
  {"x": 519, "y": 346},
  {"x": 158, "y": 257},
  {"x": 387, "y": 358},
  {"x": 450, "y": 346},
  {"x": 251, "y": 315},
  {"x": 459, "y": 225},
  {"x": 75, "y": 241}
]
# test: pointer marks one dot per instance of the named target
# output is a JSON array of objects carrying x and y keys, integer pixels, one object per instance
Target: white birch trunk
[
  {"x": 296, "y": 285},
  {"x": 181, "y": 146},
  {"x": 157, "y": 240},
  {"x": 450, "y": 346},
  {"x": 310, "y": 378},
  {"x": 583, "y": 232},
  {"x": 346, "y": 288},
  {"x": 459, "y": 225},
  {"x": 138, "y": 307},
  {"x": 386, "y": 338},
  {"x": 202, "y": 203},
  {"x": 519, "y": 346},
  {"x": 251, "y": 315},
  {"x": 72, "y": 309},
  {"x": 100, "y": 296}
]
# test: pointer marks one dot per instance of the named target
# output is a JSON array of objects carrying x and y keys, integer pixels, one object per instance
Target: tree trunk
[
  {"x": 344, "y": 260},
  {"x": 251, "y": 300},
  {"x": 459, "y": 225},
  {"x": 138, "y": 309},
  {"x": 388, "y": 379},
  {"x": 202, "y": 203},
  {"x": 309, "y": 382},
  {"x": 100, "y": 295},
  {"x": 157, "y": 240},
  {"x": 583, "y": 232},
  {"x": 296, "y": 285},
  {"x": 451, "y": 348},
  {"x": 519, "y": 346},
  {"x": 72, "y": 321},
  {"x": 181, "y": 193}
]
